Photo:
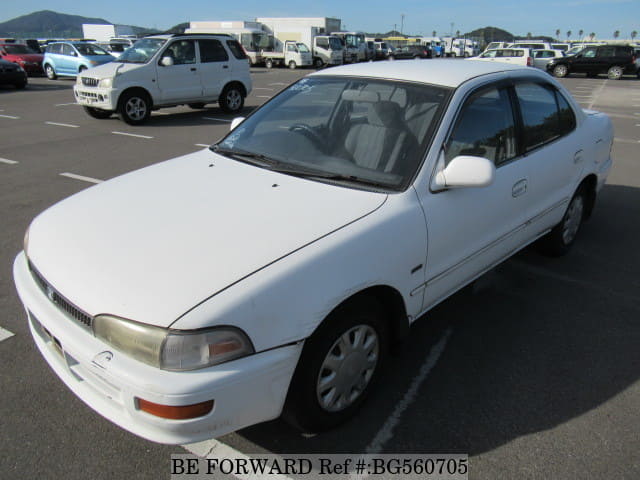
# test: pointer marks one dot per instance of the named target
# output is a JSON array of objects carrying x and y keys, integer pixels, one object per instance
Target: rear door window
[
  {"x": 236, "y": 49},
  {"x": 212, "y": 51},
  {"x": 606, "y": 51}
]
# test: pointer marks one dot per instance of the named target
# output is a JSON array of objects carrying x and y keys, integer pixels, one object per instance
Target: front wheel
[
  {"x": 560, "y": 71},
  {"x": 232, "y": 99},
  {"x": 268, "y": 63},
  {"x": 97, "y": 113},
  {"x": 318, "y": 63},
  {"x": 51, "y": 73},
  {"x": 615, "y": 73},
  {"x": 135, "y": 107},
  {"x": 292, "y": 65},
  {"x": 560, "y": 239},
  {"x": 338, "y": 367}
]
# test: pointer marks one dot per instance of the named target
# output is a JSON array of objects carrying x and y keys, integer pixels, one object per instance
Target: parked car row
[{"x": 612, "y": 60}]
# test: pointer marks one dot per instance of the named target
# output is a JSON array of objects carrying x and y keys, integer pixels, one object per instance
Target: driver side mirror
[
  {"x": 235, "y": 122},
  {"x": 166, "y": 61},
  {"x": 466, "y": 171}
]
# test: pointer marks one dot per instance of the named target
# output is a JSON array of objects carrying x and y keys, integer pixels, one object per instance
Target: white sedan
[{"x": 270, "y": 274}]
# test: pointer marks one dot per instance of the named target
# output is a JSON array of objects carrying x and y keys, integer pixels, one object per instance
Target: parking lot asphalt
[{"x": 534, "y": 372}]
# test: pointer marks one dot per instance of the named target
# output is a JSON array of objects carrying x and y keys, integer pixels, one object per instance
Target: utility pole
[{"x": 401, "y": 23}]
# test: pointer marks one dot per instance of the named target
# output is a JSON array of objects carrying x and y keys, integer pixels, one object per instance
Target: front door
[
  {"x": 179, "y": 82},
  {"x": 471, "y": 229},
  {"x": 585, "y": 61}
]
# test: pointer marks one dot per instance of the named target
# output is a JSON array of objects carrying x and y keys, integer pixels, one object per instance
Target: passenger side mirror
[
  {"x": 166, "y": 61},
  {"x": 235, "y": 122},
  {"x": 466, "y": 171}
]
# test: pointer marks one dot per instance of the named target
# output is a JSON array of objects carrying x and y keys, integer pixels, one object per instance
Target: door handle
[
  {"x": 193, "y": 69},
  {"x": 577, "y": 157},
  {"x": 519, "y": 188},
  {"x": 225, "y": 66}
]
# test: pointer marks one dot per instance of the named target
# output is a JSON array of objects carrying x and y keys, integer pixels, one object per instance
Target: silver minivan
[{"x": 164, "y": 71}]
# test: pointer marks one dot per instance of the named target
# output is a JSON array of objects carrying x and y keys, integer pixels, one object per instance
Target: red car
[{"x": 22, "y": 55}]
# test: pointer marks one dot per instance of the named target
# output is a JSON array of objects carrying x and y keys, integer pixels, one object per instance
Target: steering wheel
[{"x": 308, "y": 132}]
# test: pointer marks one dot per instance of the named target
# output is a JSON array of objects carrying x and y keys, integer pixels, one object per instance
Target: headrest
[
  {"x": 385, "y": 113},
  {"x": 360, "y": 96}
]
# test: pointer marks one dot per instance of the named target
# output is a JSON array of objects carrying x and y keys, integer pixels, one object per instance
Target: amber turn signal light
[{"x": 182, "y": 412}]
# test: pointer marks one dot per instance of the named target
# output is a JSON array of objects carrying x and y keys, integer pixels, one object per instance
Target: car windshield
[
  {"x": 17, "y": 49},
  {"x": 142, "y": 51},
  {"x": 366, "y": 133},
  {"x": 89, "y": 49},
  {"x": 302, "y": 47},
  {"x": 335, "y": 43}
]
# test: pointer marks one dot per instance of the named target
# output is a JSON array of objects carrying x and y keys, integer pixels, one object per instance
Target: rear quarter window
[{"x": 236, "y": 49}]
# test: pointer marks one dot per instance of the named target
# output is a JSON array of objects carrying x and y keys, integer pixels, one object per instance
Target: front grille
[
  {"x": 61, "y": 302},
  {"x": 90, "y": 82},
  {"x": 91, "y": 95}
]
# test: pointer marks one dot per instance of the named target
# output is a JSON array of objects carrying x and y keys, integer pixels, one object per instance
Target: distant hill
[
  {"x": 50, "y": 24},
  {"x": 491, "y": 34}
]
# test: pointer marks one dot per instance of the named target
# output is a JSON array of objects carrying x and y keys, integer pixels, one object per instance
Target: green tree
[
  {"x": 568, "y": 34},
  {"x": 616, "y": 34},
  {"x": 457, "y": 33},
  {"x": 634, "y": 34},
  {"x": 529, "y": 35},
  {"x": 558, "y": 34},
  {"x": 580, "y": 33},
  {"x": 433, "y": 34},
  {"x": 592, "y": 35}
]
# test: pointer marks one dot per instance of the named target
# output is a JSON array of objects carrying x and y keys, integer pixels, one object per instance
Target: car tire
[
  {"x": 231, "y": 99},
  {"x": 97, "y": 112},
  {"x": 20, "y": 85},
  {"x": 292, "y": 65},
  {"x": 560, "y": 239},
  {"x": 391, "y": 57},
  {"x": 134, "y": 107},
  {"x": 615, "y": 72},
  {"x": 318, "y": 63},
  {"x": 356, "y": 332},
  {"x": 560, "y": 71},
  {"x": 268, "y": 63},
  {"x": 50, "y": 72},
  {"x": 197, "y": 106}
]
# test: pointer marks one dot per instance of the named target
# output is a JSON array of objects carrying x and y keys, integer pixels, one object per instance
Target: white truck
[
  {"x": 325, "y": 49},
  {"x": 251, "y": 35},
  {"x": 105, "y": 32},
  {"x": 355, "y": 47},
  {"x": 460, "y": 47},
  {"x": 293, "y": 54}
]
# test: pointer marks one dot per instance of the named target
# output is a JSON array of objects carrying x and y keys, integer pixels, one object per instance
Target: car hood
[
  {"x": 111, "y": 69},
  {"x": 152, "y": 244}
]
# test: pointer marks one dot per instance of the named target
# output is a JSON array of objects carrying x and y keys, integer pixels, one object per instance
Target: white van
[
  {"x": 164, "y": 71},
  {"x": 514, "y": 56}
]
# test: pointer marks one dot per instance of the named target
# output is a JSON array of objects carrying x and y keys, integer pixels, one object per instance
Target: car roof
[{"x": 448, "y": 73}]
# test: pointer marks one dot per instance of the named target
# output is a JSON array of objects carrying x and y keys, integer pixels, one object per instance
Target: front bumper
[
  {"x": 103, "y": 98},
  {"x": 245, "y": 391}
]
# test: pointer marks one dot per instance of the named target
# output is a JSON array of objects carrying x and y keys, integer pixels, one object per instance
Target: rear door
[
  {"x": 215, "y": 67},
  {"x": 180, "y": 81},
  {"x": 552, "y": 148},
  {"x": 606, "y": 58},
  {"x": 68, "y": 60}
]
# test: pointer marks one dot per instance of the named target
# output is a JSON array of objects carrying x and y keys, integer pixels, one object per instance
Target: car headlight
[
  {"x": 93, "y": 62},
  {"x": 174, "y": 350},
  {"x": 25, "y": 243},
  {"x": 78, "y": 80},
  {"x": 105, "y": 83}
]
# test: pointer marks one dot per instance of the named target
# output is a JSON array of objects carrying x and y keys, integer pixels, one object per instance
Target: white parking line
[
  {"x": 4, "y": 334},
  {"x": 217, "y": 119},
  {"x": 160, "y": 113},
  {"x": 598, "y": 94},
  {"x": 202, "y": 145},
  {"x": 7, "y": 161},
  {"x": 216, "y": 449},
  {"x": 386, "y": 432},
  {"x": 625, "y": 140},
  {"x": 62, "y": 125},
  {"x": 263, "y": 88},
  {"x": 81, "y": 177},
  {"x": 263, "y": 96},
  {"x": 10, "y": 116},
  {"x": 278, "y": 83},
  {"x": 65, "y": 104},
  {"x": 132, "y": 135}
]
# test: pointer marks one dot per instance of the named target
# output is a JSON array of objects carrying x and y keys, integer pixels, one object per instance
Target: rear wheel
[
  {"x": 232, "y": 99},
  {"x": 615, "y": 72},
  {"x": 560, "y": 239},
  {"x": 318, "y": 63},
  {"x": 97, "y": 112},
  {"x": 560, "y": 71},
  {"x": 268, "y": 63},
  {"x": 338, "y": 366},
  {"x": 51, "y": 73}
]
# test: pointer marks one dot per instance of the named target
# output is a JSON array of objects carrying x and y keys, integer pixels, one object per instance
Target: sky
[{"x": 421, "y": 17}]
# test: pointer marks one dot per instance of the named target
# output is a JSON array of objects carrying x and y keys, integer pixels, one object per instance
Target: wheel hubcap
[
  {"x": 347, "y": 369},
  {"x": 233, "y": 99},
  {"x": 136, "y": 108},
  {"x": 572, "y": 220}
]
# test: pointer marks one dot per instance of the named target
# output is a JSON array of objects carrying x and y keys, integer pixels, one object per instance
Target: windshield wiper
[{"x": 245, "y": 155}]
